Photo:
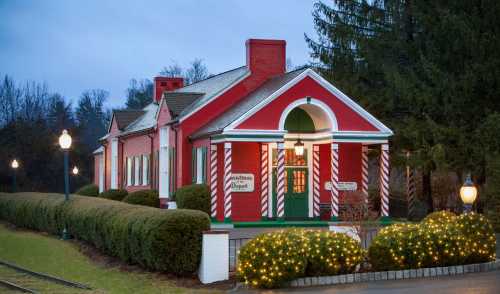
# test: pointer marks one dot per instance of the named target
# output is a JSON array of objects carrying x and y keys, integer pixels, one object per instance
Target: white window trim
[
  {"x": 129, "y": 171},
  {"x": 137, "y": 163},
  {"x": 145, "y": 170},
  {"x": 199, "y": 166},
  {"x": 164, "y": 166}
]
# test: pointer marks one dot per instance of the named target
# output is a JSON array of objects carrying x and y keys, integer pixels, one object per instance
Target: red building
[{"x": 269, "y": 143}]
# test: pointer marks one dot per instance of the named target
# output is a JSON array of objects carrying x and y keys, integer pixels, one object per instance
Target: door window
[{"x": 299, "y": 181}]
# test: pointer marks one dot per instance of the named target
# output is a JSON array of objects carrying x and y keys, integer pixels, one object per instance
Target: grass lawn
[{"x": 49, "y": 255}]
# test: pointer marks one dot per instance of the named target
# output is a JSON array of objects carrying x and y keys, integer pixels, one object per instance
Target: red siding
[{"x": 268, "y": 117}]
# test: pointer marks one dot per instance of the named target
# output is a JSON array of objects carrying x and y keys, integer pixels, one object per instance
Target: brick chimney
[
  {"x": 266, "y": 58},
  {"x": 163, "y": 84}
]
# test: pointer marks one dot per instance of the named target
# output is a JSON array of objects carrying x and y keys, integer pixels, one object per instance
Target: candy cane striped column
[
  {"x": 410, "y": 188},
  {"x": 384, "y": 180},
  {"x": 281, "y": 180},
  {"x": 264, "y": 176},
  {"x": 227, "y": 181},
  {"x": 316, "y": 184},
  {"x": 335, "y": 181},
  {"x": 364, "y": 172},
  {"x": 213, "y": 181}
]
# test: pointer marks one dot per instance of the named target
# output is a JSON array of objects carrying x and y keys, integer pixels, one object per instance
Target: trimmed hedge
[
  {"x": 272, "y": 259},
  {"x": 196, "y": 196},
  {"x": 143, "y": 197},
  {"x": 114, "y": 194},
  {"x": 161, "y": 240},
  {"x": 440, "y": 240},
  {"x": 88, "y": 190}
]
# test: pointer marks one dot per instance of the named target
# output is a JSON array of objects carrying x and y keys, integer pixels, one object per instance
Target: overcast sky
[{"x": 79, "y": 45}]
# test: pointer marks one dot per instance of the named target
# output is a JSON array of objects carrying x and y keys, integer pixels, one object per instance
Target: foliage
[
  {"x": 437, "y": 241},
  {"x": 143, "y": 197},
  {"x": 163, "y": 240},
  {"x": 114, "y": 194},
  {"x": 440, "y": 217},
  {"x": 330, "y": 253},
  {"x": 196, "y": 196},
  {"x": 409, "y": 63},
  {"x": 139, "y": 93},
  {"x": 272, "y": 259},
  {"x": 88, "y": 190}
]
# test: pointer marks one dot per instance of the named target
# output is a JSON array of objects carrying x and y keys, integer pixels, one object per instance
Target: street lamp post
[
  {"x": 14, "y": 164},
  {"x": 468, "y": 193},
  {"x": 65, "y": 143}
]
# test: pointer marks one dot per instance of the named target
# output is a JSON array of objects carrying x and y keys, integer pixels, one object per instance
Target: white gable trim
[
  {"x": 221, "y": 92},
  {"x": 309, "y": 101},
  {"x": 325, "y": 84}
]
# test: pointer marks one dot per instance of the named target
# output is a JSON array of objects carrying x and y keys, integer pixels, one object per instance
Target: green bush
[
  {"x": 143, "y": 197},
  {"x": 195, "y": 196},
  {"x": 88, "y": 190},
  {"x": 114, "y": 194},
  {"x": 162, "y": 240},
  {"x": 272, "y": 259},
  {"x": 440, "y": 217},
  {"x": 437, "y": 241},
  {"x": 332, "y": 254}
]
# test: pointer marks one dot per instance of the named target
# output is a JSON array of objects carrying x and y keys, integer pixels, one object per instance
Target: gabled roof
[
  {"x": 247, "y": 103},
  {"x": 126, "y": 117},
  {"x": 146, "y": 121},
  {"x": 178, "y": 101},
  {"x": 211, "y": 88}
]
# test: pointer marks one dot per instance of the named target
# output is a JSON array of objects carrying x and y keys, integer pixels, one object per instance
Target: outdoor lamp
[
  {"x": 75, "y": 170},
  {"x": 14, "y": 164},
  {"x": 299, "y": 148},
  {"x": 468, "y": 193},
  {"x": 65, "y": 143},
  {"x": 65, "y": 140}
]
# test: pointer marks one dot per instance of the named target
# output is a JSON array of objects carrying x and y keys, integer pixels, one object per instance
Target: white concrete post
[{"x": 214, "y": 265}]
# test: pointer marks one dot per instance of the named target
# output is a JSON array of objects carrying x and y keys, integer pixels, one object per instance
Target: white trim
[
  {"x": 129, "y": 171},
  {"x": 145, "y": 170},
  {"x": 309, "y": 101},
  {"x": 199, "y": 165},
  {"x": 264, "y": 140},
  {"x": 254, "y": 132},
  {"x": 227, "y": 145},
  {"x": 164, "y": 165},
  {"x": 336, "y": 92},
  {"x": 137, "y": 170},
  {"x": 114, "y": 163},
  {"x": 101, "y": 172},
  {"x": 215, "y": 96}
]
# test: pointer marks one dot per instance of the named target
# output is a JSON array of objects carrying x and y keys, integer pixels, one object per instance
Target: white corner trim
[
  {"x": 327, "y": 85},
  {"x": 215, "y": 96},
  {"x": 308, "y": 101}
]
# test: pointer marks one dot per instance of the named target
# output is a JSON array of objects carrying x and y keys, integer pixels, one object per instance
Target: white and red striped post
[
  {"x": 364, "y": 172},
  {"x": 281, "y": 181},
  {"x": 334, "y": 191},
  {"x": 264, "y": 178},
  {"x": 316, "y": 184},
  {"x": 384, "y": 181},
  {"x": 213, "y": 181},
  {"x": 227, "y": 181}
]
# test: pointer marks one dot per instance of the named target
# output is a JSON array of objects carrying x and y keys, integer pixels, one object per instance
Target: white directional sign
[{"x": 343, "y": 186}]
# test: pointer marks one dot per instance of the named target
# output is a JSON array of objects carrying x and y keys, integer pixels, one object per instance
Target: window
[
  {"x": 137, "y": 166},
  {"x": 299, "y": 181},
  {"x": 129, "y": 171},
  {"x": 290, "y": 158},
  {"x": 145, "y": 170},
  {"x": 199, "y": 165}
]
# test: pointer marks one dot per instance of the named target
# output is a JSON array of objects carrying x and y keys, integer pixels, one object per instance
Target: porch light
[
  {"x": 75, "y": 171},
  {"x": 14, "y": 164},
  {"x": 468, "y": 193},
  {"x": 299, "y": 148}
]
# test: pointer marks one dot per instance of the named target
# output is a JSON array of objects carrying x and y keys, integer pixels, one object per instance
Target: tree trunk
[{"x": 427, "y": 190}]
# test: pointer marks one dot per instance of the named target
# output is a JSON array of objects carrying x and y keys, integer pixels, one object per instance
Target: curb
[{"x": 391, "y": 275}]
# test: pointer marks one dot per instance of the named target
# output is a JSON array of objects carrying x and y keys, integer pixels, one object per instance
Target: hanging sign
[
  {"x": 242, "y": 183},
  {"x": 343, "y": 186}
]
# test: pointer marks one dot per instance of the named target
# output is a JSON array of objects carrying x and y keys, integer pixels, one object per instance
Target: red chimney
[
  {"x": 163, "y": 84},
  {"x": 266, "y": 57}
]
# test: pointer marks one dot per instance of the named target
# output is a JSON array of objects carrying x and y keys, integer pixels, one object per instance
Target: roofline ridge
[{"x": 221, "y": 73}]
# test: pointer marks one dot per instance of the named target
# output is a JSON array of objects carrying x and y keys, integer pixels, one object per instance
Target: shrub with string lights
[
  {"x": 271, "y": 259},
  {"x": 443, "y": 216},
  {"x": 441, "y": 240}
]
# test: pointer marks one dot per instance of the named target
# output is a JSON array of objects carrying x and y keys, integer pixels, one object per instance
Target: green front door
[{"x": 296, "y": 192}]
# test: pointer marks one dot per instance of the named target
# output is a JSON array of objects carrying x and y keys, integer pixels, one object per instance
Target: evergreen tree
[{"x": 139, "y": 94}]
